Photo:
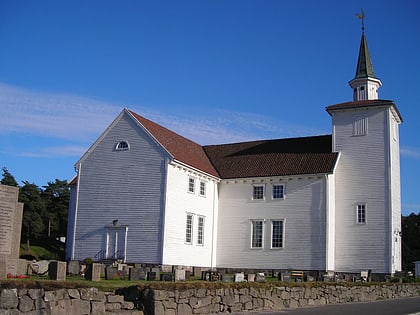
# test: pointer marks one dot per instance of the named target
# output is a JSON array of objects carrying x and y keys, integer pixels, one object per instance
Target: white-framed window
[
  {"x": 277, "y": 233},
  {"x": 202, "y": 188},
  {"x": 200, "y": 230},
  {"x": 122, "y": 146},
  {"x": 278, "y": 191},
  {"x": 257, "y": 232},
  {"x": 361, "y": 213},
  {"x": 189, "y": 228},
  {"x": 258, "y": 192},
  {"x": 360, "y": 126},
  {"x": 191, "y": 185}
]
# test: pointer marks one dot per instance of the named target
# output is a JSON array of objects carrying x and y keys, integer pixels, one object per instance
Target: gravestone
[
  {"x": 239, "y": 277},
  {"x": 10, "y": 225},
  {"x": 152, "y": 276},
  {"x": 250, "y": 277},
  {"x": 112, "y": 273},
  {"x": 136, "y": 274},
  {"x": 166, "y": 277},
  {"x": 57, "y": 270},
  {"x": 93, "y": 272},
  {"x": 73, "y": 267},
  {"x": 260, "y": 277},
  {"x": 226, "y": 278},
  {"x": 179, "y": 275}
]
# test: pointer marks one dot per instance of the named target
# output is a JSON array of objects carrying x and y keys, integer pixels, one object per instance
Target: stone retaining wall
[
  {"x": 63, "y": 302},
  {"x": 219, "y": 299},
  {"x": 227, "y": 300}
]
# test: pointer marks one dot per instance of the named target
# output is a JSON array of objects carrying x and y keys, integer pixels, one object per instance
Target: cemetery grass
[{"x": 73, "y": 282}]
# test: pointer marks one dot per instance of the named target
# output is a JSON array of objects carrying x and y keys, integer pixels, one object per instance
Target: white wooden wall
[
  {"x": 362, "y": 177},
  {"x": 304, "y": 213},
  {"x": 127, "y": 186},
  {"x": 179, "y": 202}
]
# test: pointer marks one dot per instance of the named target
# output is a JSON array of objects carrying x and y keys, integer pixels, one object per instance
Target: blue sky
[{"x": 213, "y": 71}]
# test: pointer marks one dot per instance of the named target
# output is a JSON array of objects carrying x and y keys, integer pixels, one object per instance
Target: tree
[
  {"x": 33, "y": 212},
  {"x": 8, "y": 178},
  {"x": 56, "y": 196},
  {"x": 410, "y": 240}
]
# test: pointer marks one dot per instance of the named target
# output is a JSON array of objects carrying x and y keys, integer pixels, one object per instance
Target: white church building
[{"x": 145, "y": 194}]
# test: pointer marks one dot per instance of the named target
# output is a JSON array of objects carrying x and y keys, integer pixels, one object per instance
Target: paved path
[{"x": 403, "y": 306}]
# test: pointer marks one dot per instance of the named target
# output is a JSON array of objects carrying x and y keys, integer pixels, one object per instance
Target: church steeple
[{"x": 365, "y": 86}]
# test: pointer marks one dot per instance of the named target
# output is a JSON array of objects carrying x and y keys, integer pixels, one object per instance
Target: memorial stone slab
[
  {"x": 73, "y": 267},
  {"x": 226, "y": 278},
  {"x": 239, "y": 277},
  {"x": 10, "y": 226},
  {"x": 250, "y": 277},
  {"x": 179, "y": 275},
  {"x": 166, "y": 277},
  {"x": 137, "y": 274},
  {"x": 152, "y": 276},
  {"x": 260, "y": 277},
  {"x": 57, "y": 270}
]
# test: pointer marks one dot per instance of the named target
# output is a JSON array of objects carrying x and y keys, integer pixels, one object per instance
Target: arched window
[{"x": 122, "y": 146}]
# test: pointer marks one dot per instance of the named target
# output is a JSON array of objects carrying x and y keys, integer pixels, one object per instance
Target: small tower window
[{"x": 122, "y": 146}]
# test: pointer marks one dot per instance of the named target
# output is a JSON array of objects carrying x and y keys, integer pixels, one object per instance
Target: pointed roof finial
[{"x": 362, "y": 17}]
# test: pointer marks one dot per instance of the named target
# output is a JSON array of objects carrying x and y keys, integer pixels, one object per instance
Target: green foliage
[
  {"x": 56, "y": 196},
  {"x": 410, "y": 240},
  {"x": 8, "y": 178}
]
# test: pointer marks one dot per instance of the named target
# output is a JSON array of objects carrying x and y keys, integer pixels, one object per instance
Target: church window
[
  {"x": 202, "y": 188},
  {"x": 257, "y": 234},
  {"x": 191, "y": 185},
  {"x": 361, "y": 213},
  {"x": 277, "y": 228},
  {"x": 189, "y": 228},
  {"x": 360, "y": 126},
  {"x": 258, "y": 192},
  {"x": 278, "y": 191},
  {"x": 122, "y": 146},
  {"x": 200, "y": 231}
]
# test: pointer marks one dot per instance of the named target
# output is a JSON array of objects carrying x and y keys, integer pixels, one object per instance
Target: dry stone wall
[
  {"x": 64, "y": 302},
  {"x": 222, "y": 299},
  {"x": 227, "y": 300}
]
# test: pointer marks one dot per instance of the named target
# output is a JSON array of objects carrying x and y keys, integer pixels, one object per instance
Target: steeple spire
[{"x": 365, "y": 85}]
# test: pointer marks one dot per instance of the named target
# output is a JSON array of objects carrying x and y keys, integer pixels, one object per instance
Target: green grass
[{"x": 37, "y": 252}]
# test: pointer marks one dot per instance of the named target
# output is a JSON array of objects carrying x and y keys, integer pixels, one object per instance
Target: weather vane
[{"x": 362, "y": 17}]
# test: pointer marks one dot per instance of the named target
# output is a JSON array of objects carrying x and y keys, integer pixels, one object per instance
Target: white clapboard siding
[
  {"x": 179, "y": 202},
  {"x": 127, "y": 186},
  {"x": 304, "y": 213},
  {"x": 361, "y": 177}
]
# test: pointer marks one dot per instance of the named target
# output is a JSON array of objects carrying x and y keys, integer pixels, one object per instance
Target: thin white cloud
[
  {"x": 410, "y": 152},
  {"x": 56, "y": 152},
  {"x": 81, "y": 120},
  {"x": 52, "y": 115}
]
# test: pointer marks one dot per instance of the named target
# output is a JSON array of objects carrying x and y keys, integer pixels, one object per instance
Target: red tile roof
[
  {"x": 293, "y": 156},
  {"x": 361, "y": 104},
  {"x": 182, "y": 149}
]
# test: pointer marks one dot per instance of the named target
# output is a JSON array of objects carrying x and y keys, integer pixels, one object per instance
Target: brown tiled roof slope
[
  {"x": 366, "y": 103},
  {"x": 292, "y": 156},
  {"x": 182, "y": 149}
]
